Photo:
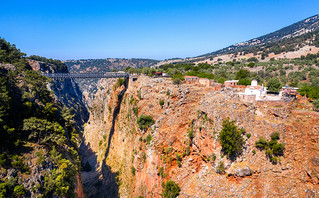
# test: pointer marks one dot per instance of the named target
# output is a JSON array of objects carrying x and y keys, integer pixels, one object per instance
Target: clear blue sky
[{"x": 157, "y": 29}]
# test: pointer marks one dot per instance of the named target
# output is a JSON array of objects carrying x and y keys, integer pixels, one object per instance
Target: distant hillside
[
  {"x": 106, "y": 65},
  {"x": 305, "y": 26}
]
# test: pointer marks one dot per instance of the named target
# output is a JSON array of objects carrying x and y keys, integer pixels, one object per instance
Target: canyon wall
[
  {"x": 66, "y": 91},
  {"x": 123, "y": 160}
]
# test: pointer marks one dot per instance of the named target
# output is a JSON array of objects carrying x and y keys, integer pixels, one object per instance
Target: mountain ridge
[{"x": 307, "y": 25}]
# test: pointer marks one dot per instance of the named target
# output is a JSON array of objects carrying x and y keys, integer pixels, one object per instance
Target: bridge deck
[{"x": 86, "y": 75}]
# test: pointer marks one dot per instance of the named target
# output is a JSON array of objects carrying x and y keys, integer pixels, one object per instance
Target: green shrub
[
  {"x": 252, "y": 59},
  {"x": 110, "y": 109},
  {"x": 213, "y": 157},
  {"x": 275, "y": 136},
  {"x": 170, "y": 189},
  {"x": 161, "y": 102},
  {"x": 19, "y": 191},
  {"x": 161, "y": 172},
  {"x": 178, "y": 159},
  {"x": 274, "y": 160},
  {"x": 139, "y": 94},
  {"x": 120, "y": 82},
  {"x": 269, "y": 152},
  {"x": 169, "y": 150},
  {"x": 3, "y": 160},
  {"x": 168, "y": 93},
  {"x": 271, "y": 143},
  {"x": 148, "y": 139},
  {"x": 221, "y": 167},
  {"x": 274, "y": 85},
  {"x": 231, "y": 138},
  {"x": 272, "y": 147},
  {"x": 41, "y": 158},
  {"x": 261, "y": 143},
  {"x": 251, "y": 64},
  {"x": 242, "y": 73},
  {"x": 177, "y": 81},
  {"x": 16, "y": 162},
  {"x": 144, "y": 157},
  {"x": 190, "y": 133},
  {"x": 3, "y": 190},
  {"x": 244, "y": 81},
  {"x": 132, "y": 100},
  {"x": 135, "y": 110},
  {"x": 278, "y": 149},
  {"x": 188, "y": 150},
  {"x": 145, "y": 121},
  {"x": 248, "y": 135},
  {"x": 133, "y": 170},
  {"x": 316, "y": 105},
  {"x": 254, "y": 152},
  {"x": 310, "y": 91}
]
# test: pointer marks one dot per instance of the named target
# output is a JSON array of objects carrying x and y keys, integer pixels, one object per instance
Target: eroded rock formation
[{"x": 125, "y": 163}]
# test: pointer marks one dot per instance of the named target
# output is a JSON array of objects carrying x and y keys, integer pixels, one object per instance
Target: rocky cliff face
[
  {"x": 122, "y": 160},
  {"x": 66, "y": 91}
]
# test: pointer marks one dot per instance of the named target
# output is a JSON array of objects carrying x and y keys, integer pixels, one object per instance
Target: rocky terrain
[
  {"x": 123, "y": 160},
  {"x": 66, "y": 92}
]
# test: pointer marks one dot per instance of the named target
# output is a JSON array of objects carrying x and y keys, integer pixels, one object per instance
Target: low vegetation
[
  {"x": 145, "y": 121},
  {"x": 148, "y": 139},
  {"x": 161, "y": 172},
  {"x": 170, "y": 189},
  {"x": 161, "y": 102},
  {"x": 231, "y": 138},
  {"x": 273, "y": 149},
  {"x": 220, "y": 168}
]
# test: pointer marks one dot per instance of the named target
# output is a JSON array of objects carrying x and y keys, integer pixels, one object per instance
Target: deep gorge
[{"x": 126, "y": 163}]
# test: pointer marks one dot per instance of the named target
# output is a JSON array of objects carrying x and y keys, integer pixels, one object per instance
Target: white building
[{"x": 254, "y": 91}]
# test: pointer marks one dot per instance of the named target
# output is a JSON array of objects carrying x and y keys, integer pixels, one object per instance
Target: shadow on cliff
[
  {"x": 98, "y": 182},
  {"x": 98, "y": 179},
  {"x": 69, "y": 94},
  {"x": 115, "y": 114}
]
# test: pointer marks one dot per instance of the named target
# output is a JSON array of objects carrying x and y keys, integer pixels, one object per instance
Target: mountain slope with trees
[
  {"x": 308, "y": 25},
  {"x": 38, "y": 150}
]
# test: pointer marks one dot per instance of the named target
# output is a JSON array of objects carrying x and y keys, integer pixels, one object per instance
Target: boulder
[{"x": 242, "y": 172}]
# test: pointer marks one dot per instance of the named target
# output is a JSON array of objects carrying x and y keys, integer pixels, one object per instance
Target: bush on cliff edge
[{"x": 231, "y": 138}]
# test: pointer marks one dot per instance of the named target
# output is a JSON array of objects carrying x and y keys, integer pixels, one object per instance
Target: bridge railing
[{"x": 87, "y": 75}]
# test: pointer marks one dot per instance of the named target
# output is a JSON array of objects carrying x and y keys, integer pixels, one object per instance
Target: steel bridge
[{"x": 87, "y": 75}]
